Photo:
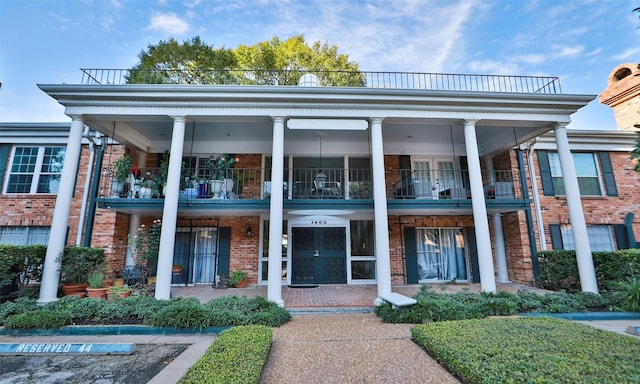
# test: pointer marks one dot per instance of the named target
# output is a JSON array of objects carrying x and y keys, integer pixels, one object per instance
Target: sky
[{"x": 579, "y": 41}]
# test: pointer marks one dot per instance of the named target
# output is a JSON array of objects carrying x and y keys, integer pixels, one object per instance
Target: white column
[
  {"x": 274, "y": 287},
  {"x": 586, "y": 270},
  {"x": 483, "y": 240},
  {"x": 383, "y": 258},
  {"x": 60, "y": 222},
  {"x": 498, "y": 234},
  {"x": 134, "y": 223},
  {"x": 501, "y": 254},
  {"x": 170, "y": 211}
]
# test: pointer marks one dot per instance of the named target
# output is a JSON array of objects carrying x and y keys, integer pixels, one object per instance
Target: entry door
[{"x": 319, "y": 256}]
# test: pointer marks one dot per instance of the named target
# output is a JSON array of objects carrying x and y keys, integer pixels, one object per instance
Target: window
[
  {"x": 24, "y": 235},
  {"x": 35, "y": 169},
  {"x": 586, "y": 170},
  {"x": 363, "y": 260},
  {"x": 264, "y": 260},
  {"x": 441, "y": 254},
  {"x": 600, "y": 237}
]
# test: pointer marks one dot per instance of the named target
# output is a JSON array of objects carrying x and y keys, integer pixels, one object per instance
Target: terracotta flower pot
[
  {"x": 242, "y": 284},
  {"x": 74, "y": 289},
  {"x": 97, "y": 293}
]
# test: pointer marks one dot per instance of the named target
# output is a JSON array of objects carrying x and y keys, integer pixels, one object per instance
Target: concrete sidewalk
[{"x": 348, "y": 348}]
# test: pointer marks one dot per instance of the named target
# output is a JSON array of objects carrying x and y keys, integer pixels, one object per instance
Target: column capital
[
  {"x": 179, "y": 118},
  {"x": 470, "y": 122},
  {"x": 376, "y": 120},
  {"x": 279, "y": 119},
  {"x": 560, "y": 125},
  {"x": 77, "y": 118}
]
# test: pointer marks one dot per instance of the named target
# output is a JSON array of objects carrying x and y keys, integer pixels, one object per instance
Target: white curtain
[
  {"x": 441, "y": 254},
  {"x": 204, "y": 256}
]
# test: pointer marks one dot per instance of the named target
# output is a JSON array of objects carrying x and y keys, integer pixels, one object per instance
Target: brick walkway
[{"x": 328, "y": 295}]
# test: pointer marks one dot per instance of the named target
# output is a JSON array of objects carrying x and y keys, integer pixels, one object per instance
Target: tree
[
  {"x": 272, "y": 62},
  {"x": 284, "y": 62},
  {"x": 169, "y": 62}
]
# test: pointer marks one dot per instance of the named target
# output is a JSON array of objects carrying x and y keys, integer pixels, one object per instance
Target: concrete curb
[
  {"x": 110, "y": 330},
  {"x": 589, "y": 316}
]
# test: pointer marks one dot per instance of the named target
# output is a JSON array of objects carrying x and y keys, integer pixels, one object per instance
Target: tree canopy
[{"x": 272, "y": 62}]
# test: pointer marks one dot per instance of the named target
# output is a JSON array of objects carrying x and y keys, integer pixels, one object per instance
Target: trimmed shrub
[
  {"x": 20, "y": 305},
  {"x": 236, "y": 357},
  {"x": 178, "y": 312},
  {"x": 530, "y": 350},
  {"x": 559, "y": 269},
  {"x": 18, "y": 260},
  {"x": 39, "y": 319}
]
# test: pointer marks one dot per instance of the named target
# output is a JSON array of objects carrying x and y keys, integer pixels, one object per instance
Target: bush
[
  {"x": 559, "y": 269},
  {"x": 530, "y": 350},
  {"x": 79, "y": 262},
  {"x": 21, "y": 260},
  {"x": 236, "y": 357},
  {"x": 630, "y": 291},
  {"x": 433, "y": 306},
  {"x": 20, "y": 305},
  {"x": 178, "y": 312},
  {"x": 39, "y": 319}
]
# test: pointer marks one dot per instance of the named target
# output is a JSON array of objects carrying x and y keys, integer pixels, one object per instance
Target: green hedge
[
  {"x": 439, "y": 306},
  {"x": 236, "y": 357},
  {"x": 177, "y": 312},
  {"x": 559, "y": 269},
  {"x": 21, "y": 260},
  {"x": 530, "y": 350}
]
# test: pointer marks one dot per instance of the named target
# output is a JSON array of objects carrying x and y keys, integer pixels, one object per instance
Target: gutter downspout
[
  {"x": 94, "y": 192},
  {"x": 85, "y": 195},
  {"x": 536, "y": 197}
]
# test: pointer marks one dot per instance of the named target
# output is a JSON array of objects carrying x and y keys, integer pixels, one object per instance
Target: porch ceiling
[
  {"x": 237, "y": 119},
  {"x": 254, "y": 135}
]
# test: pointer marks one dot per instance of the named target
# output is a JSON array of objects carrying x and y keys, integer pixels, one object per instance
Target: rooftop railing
[{"x": 390, "y": 80}]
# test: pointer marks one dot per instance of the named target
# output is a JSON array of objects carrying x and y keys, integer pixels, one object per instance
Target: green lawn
[{"x": 530, "y": 350}]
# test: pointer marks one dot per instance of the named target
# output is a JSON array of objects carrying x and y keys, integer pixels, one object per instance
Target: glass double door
[
  {"x": 319, "y": 255},
  {"x": 195, "y": 250}
]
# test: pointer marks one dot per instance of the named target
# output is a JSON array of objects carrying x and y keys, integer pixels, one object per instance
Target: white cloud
[
  {"x": 565, "y": 51},
  {"x": 169, "y": 23},
  {"x": 493, "y": 67},
  {"x": 628, "y": 53}
]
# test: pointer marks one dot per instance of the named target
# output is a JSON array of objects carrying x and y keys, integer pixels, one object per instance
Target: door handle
[{"x": 316, "y": 253}]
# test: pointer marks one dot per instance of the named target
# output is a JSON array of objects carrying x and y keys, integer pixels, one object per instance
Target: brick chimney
[{"x": 623, "y": 95}]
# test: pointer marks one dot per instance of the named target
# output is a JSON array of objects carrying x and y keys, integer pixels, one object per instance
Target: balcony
[
  {"x": 386, "y": 80},
  {"x": 314, "y": 184}
]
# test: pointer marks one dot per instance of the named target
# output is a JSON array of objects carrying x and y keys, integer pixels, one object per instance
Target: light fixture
[
  {"x": 249, "y": 231},
  {"x": 320, "y": 178}
]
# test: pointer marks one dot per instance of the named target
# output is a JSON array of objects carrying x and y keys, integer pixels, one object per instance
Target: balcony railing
[
  {"x": 391, "y": 80},
  {"x": 449, "y": 184},
  {"x": 314, "y": 183}
]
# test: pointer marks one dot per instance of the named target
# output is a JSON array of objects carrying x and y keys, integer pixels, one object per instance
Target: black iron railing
[
  {"x": 315, "y": 183},
  {"x": 392, "y": 80}
]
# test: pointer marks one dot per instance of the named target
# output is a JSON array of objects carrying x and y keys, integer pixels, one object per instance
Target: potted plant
[
  {"x": 148, "y": 189},
  {"x": 176, "y": 269},
  {"x": 96, "y": 288},
  {"x": 164, "y": 172},
  {"x": 121, "y": 170},
  {"x": 76, "y": 265},
  {"x": 219, "y": 172},
  {"x": 119, "y": 292},
  {"x": 238, "y": 278}
]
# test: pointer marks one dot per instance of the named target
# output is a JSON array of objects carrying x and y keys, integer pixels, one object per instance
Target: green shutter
[
  {"x": 622, "y": 238},
  {"x": 556, "y": 236},
  {"x": 411, "y": 255},
  {"x": 473, "y": 249},
  {"x": 607, "y": 173},
  {"x": 545, "y": 173},
  {"x": 224, "y": 250},
  {"x": 4, "y": 162}
]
